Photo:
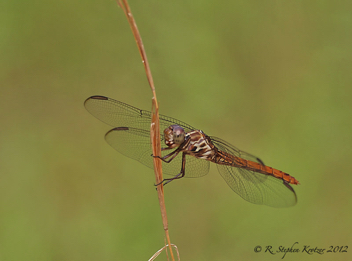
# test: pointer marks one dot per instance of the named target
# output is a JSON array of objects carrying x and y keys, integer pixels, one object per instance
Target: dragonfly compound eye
[{"x": 178, "y": 134}]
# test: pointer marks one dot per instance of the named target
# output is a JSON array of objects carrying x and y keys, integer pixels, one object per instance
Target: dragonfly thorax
[{"x": 174, "y": 135}]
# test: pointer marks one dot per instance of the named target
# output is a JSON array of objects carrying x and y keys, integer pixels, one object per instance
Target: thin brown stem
[{"x": 154, "y": 129}]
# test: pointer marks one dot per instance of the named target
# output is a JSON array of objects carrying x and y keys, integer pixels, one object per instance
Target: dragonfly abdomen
[
  {"x": 256, "y": 167},
  {"x": 227, "y": 159}
]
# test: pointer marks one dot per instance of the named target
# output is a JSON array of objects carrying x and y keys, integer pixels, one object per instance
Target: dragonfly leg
[
  {"x": 179, "y": 175},
  {"x": 174, "y": 153},
  {"x": 167, "y": 148},
  {"x": 162, "y": 149}
]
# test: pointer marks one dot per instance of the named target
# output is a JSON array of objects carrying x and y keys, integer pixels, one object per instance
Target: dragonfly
[{"x": 191, "y": 153}]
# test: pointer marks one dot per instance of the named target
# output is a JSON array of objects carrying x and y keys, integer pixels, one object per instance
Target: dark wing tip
[
  {"x": 292, "y": 190},
  {"x": 260, "y": 161},
  {"x": 96, "y": 97},
  {"x": 118, "y": 129}
]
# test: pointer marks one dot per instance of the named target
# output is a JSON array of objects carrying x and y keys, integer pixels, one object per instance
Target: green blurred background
[{"x": 271, "y": 77}]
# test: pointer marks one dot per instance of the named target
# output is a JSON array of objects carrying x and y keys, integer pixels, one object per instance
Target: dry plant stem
[
  {"x": 160, "y": 250},
  {"x": 154, "y": 128}
]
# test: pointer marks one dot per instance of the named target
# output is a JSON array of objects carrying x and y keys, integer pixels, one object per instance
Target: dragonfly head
[{"x": 174, "y": 136}]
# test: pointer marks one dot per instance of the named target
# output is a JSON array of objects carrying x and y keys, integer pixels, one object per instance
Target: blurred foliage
[{"x": 272, "y": 77}]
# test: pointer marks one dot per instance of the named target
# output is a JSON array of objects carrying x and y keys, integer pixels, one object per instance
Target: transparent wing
[
  {"x": 234, "y": 151},
  {"x": 230, "y": 149},
  {"x": 252, "y": 186},
  {"x": 135, "y": 143},
  {"x": 119, "y": 114}
]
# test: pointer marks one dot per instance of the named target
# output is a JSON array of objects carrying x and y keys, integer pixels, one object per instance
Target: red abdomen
[{"x": 256, "y": 167}]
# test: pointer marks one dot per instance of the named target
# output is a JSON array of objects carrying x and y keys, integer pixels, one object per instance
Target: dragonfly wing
[
  {"x": 252, "y": 186},
  {"x": 230, "y": 149},
  {"x": 272, "y": 192},
  {"x": 135, "y": 143},
  {"x": 227, "y": 147},
  {"x": 119, "y": 114}
]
